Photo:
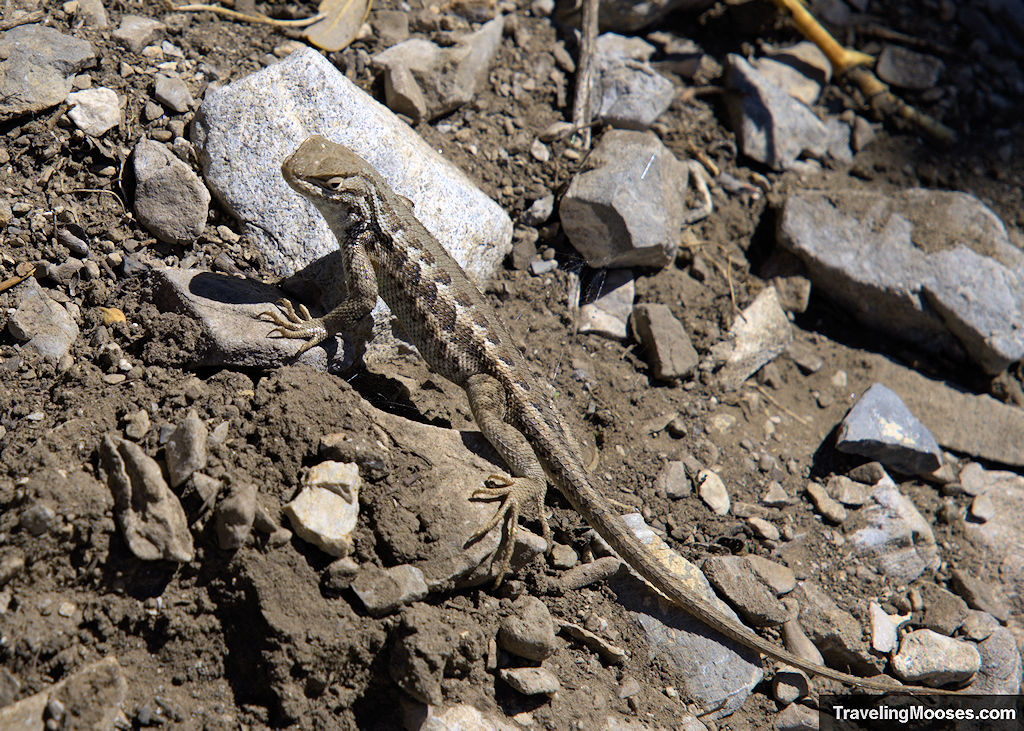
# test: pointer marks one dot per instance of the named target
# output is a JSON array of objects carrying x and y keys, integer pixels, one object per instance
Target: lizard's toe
[{"x": 513, "y": 492}]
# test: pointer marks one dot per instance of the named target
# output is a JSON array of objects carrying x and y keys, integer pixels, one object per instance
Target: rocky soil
[{"x": 810, "y": 390}]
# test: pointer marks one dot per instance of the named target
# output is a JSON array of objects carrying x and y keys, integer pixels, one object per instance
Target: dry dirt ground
[{"x": 252, "y": 638}]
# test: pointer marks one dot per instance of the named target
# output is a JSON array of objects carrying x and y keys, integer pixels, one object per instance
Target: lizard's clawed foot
[
  {"x": 300, "y": 325},
  {"x": 513, "y": 492}
]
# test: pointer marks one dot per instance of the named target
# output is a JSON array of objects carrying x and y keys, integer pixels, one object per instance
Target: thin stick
[
  {"x": 16, "y": 280},
  {"x": 235, "y": 15},
  {"x": 581, "y": 118}
]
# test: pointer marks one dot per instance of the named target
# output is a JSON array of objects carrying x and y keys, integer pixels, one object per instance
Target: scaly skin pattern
[{"x": 388, "y": 251}]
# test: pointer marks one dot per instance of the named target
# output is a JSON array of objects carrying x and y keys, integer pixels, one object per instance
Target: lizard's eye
[{"x": 334, "y": 183}]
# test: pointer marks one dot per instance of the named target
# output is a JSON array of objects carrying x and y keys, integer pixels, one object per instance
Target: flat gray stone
[
  {"x": 229, "y": 330},
  {"x": 936, "y": 268},
  {"x": 771, "y": 126},
  {"x": 423, "y": 80},
  {"x": 244, "y": 131},
  {"x": 668, "y": 348},
  {"x": 908, "y": 69},
  {"x": 625, "y": 207},
  {"x": 170, "y": 199},
  {"x": 41, "y": 323},
  {"x": 627, "y": 92},
  {"x": 36, "y": 66},
  {"x": 881, "y": 427},
  {"x": 136, "y": 31},
  {"x": 95, "y": 110}
]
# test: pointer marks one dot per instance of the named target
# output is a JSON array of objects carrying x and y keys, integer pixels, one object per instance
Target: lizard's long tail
[{"x": 575, "y": 484}]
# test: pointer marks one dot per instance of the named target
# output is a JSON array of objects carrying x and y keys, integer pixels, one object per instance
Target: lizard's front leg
[
  {"x": 361, "y": 288},
  {"x": 527, "y": 485}
]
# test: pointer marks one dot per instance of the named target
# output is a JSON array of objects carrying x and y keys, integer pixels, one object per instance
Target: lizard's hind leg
[{"x": 528, "y": 483}]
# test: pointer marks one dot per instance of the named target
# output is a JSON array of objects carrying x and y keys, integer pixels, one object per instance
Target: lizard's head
[{"x": 332, "y": 177}]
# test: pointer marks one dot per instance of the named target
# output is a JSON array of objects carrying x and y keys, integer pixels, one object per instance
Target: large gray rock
[
  {"x": 933, "y": 267},
  {"x": 770, "y": 125},
  {"x": 625, "y": 207},
  {"x": 36, "y": 68}
]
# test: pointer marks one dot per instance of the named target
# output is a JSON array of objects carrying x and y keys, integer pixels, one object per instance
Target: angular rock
[
  {"x": 933, "y": 267},
  {"x": 609, "y": 304},
  {"x": 36, "y": 66},
  {"x": 235, "y": 515},
  {"x": 883, "y": 628},
  {"x": 757, "y": 336},
  {"x": 713, "y": 492},
  {"x": 170, "y": 200},
  {"x": 424, "y": 81},
  {"x": 980, "y": 594},
  {"x": 771, "y": 126},
  {"x": 185, "y": 451},
  {"x": 90, "y": 698},
  {"x": 835, "y": 632},
  {"x": 908, "y": 69},
  {"x": 896, "y": 536},
  {"x": 626, "y": 91},
  {"x": 928, "y": 658},
  {"x": 1001, "y": 671},
  {"x": 152, "y": 520},
  {"x": 880, "y": 427},
  {"x": 325, "y": 512},
  {"x": 229, "y": 330},
  {"x": 800, "y": 70},
  {"x": 673, "y": 480},
  {"x": 383, "y": 591},
  {"x": 531, "y": 681},
  {"x": 136, "y": 31},
  {"x": 734, "y": 578},
  {"x": 944, "y": 611},
  {"x": 780, "y": 578},
  {"x": 625, "y": 207},
  {"x": 172, "y": 92},
  {"x": 530, "y": 632},
  {"x": 95, "y": 110},
  {"x": 1001, "y": 539},
  {"x": 670, "y": 352},
  {"x": 41, "y": 323}
]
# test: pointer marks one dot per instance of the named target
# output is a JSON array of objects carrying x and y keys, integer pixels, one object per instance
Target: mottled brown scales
[{"x": 388, "y": 251}]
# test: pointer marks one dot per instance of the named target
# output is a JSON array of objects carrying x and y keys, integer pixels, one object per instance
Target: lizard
[{"x": 386, "y": 250}]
